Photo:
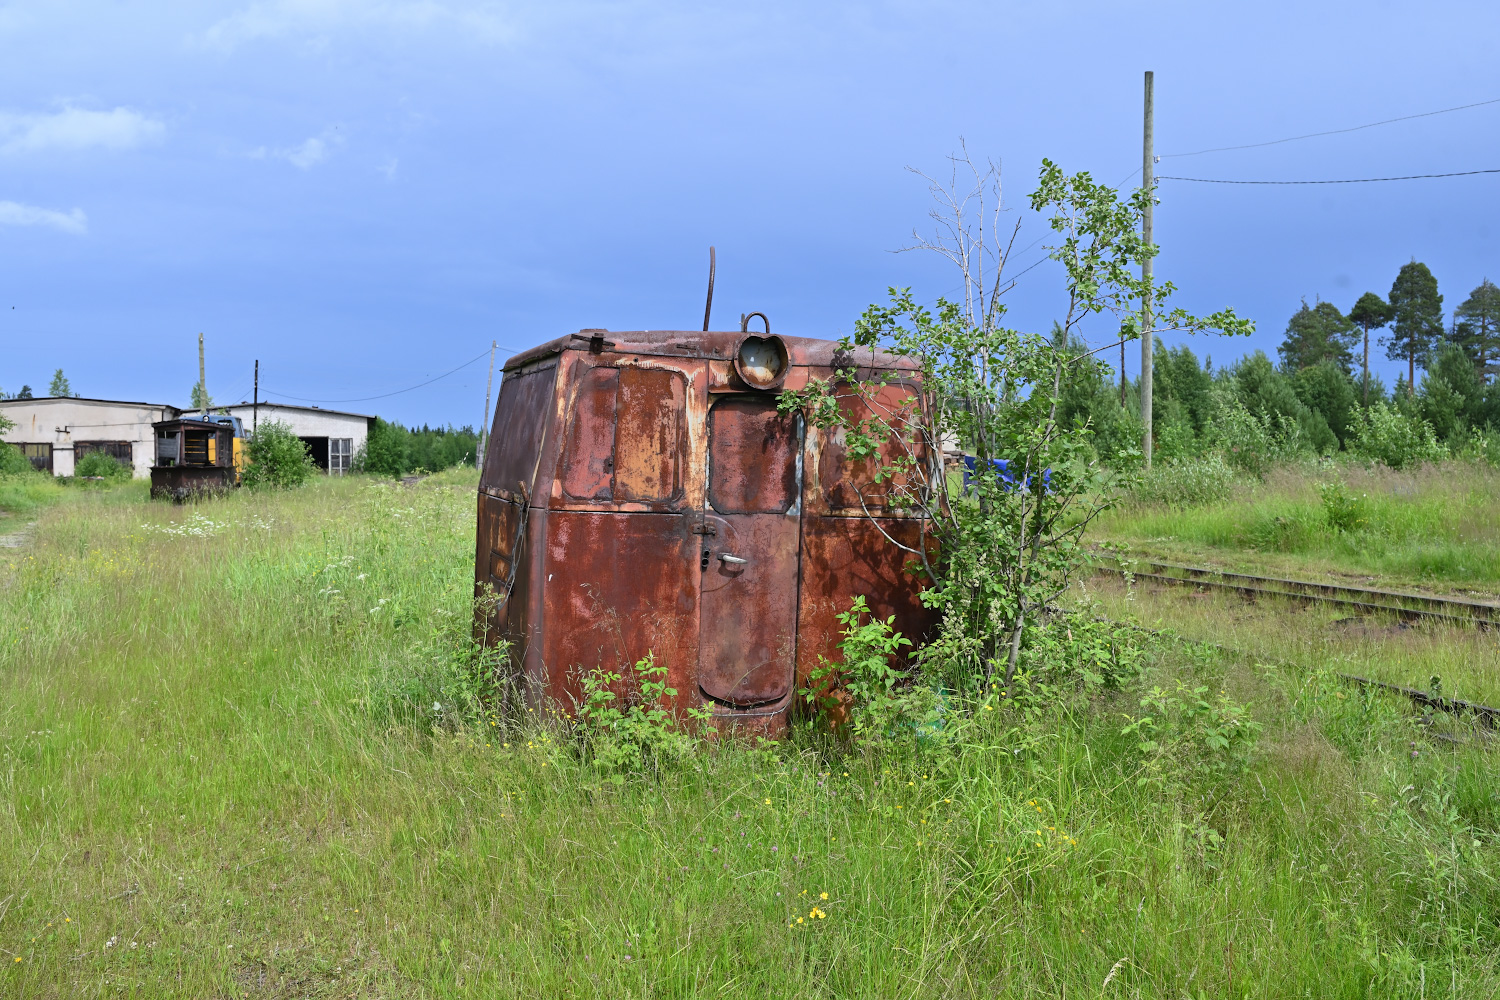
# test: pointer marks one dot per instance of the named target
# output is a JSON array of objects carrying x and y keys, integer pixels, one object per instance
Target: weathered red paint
[{"x": 640, "y": 496}]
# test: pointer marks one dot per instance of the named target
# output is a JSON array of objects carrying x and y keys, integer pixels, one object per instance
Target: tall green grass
[
  {"x": 228, "y": 767},
  {"x": 1438, "y": 525},
  {"x": 26, "y": 493}
]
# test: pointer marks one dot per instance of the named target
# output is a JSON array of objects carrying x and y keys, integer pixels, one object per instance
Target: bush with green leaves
[
  {"x": 1007, "y": 538},
  {"x": 1248, "y": 441},
  {"x": 13, "y": 462},
  {"x": 1345, "y": 510},
  {"x": 394, "y": 450},
  {"x": 1193, "y": 482},
  {"x": 877, "y": 699},
  {"x": 1481, "y": 446},
  {"x": 1188, "y": 735},
  {"x": 645, "y": 732},
  {"x": 278, "y": 459},
  {"x": 1398, "y": 440},
  {"x": 98, "y": 465}
]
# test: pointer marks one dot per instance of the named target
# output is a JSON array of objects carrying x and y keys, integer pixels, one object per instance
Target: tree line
[{"x": 1319, "y": 396}]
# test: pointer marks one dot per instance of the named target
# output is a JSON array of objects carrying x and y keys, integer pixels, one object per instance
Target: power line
[
  {"x": 1355, "y": 180},
  {"x": 384, "y": 395},
  {"x": 1336, "y": 131}
]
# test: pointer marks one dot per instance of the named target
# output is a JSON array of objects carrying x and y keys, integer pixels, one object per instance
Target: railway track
[{"x": 1408, "y": 607}]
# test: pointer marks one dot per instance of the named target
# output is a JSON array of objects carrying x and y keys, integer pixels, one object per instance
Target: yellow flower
[
  {"x": 768, "y": 801},
  {"x": 799, "y": 920},
  {"x": 822, "y": 895}
]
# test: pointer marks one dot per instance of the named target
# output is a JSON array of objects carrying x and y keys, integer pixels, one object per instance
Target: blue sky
[{"x": 363, "y": 195}]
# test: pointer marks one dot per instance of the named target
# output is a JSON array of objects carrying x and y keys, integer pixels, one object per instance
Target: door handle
[{"x": 732, "y": 560}]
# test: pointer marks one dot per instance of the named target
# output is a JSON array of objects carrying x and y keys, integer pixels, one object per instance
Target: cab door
[{"x": 751, "y": 534}]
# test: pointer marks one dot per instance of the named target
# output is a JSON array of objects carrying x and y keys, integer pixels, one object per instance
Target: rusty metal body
[
  {"x": 193, "y": 458},
  {"x": 641, "y": 494}
]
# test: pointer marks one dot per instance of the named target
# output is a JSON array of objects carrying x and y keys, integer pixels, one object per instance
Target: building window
[
  {"x": 40, "y": 455},
  {"x": 340, "y": 453},
  {"x": 120, "y": 451}
]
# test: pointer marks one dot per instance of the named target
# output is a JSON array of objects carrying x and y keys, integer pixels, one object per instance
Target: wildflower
[
  {"x": 822, "y": 895},
  {"x": 768, "y": 801}
]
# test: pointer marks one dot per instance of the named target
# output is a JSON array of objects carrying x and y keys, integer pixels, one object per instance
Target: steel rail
[
  {"x": 1360, "y": 598},
  {"x": 1488, "y": 716}
]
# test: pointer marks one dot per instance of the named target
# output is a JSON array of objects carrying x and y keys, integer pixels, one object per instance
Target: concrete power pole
[
  {"x": 1148, "y": 182},
  {"x": 484, "y": 428},
  {"x": 202, "y": 382}
]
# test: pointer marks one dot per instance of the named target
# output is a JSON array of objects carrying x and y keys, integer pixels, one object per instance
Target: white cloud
[
  {"x": 13, "y": 213},
  {"x": 315, "y": 20},
  {"x": 77, "y": 128},
  {"x": 306, "y": 154}
]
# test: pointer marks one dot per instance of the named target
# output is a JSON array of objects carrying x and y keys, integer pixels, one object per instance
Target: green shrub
[
  {"x": 644, "y": 732},
  {"x": 98, "y": 465},
  {"x": 1344, "y": 510},
  {"x": 1396, "y": 439},
  {"x": 1481, "y": 446},
  {"x": 393, "y": 450},
  {"x": 880, "y": 700},
  {"x": 1190, "y": 483},
  {"x": 13, "y": 462},
  {"x": 1250, "y": 442},
  {"x": 278, "y": 459}
]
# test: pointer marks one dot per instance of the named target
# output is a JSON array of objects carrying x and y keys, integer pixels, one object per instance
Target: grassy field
[
  {"x": 1436, "y": 528},
  {"x": 234, "y": 762},
  {"x": 1466, "y": 661}
]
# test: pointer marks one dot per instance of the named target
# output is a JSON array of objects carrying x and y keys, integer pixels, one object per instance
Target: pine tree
[
  {"x": 1476, "y": 328},
  {"x": 1417, "y": 324},
  {"x": 1315, "y": 335},
  {"x": 59, "y": 386},
  {"x": 1371, "y": 312}
]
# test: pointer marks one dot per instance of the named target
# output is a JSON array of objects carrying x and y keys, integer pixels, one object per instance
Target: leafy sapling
[{"x": 1000, "y": 544}]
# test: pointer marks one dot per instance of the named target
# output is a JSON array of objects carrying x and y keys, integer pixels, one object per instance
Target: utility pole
[
  {"x": 1122, "y": 371},
  {"x": 255, "y": 404},
  {"x": 484, "y": 428},
  {"x": 1148, "y": 182},
  {"x": 202, "y": 383}
]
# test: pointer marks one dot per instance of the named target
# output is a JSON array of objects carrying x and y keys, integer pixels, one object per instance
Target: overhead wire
[
  {"x": 1314, "y": 135},
  {"x": 1336, "y": 131},
  {"x": 1354, "y": 180},
  {"x": 396, "y": 392}
]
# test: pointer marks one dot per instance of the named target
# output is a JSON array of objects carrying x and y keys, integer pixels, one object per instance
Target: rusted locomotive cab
[{"x": 641, "y": 493}]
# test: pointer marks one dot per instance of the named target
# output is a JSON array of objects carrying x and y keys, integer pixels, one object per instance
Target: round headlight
[{"x": 761, "y": 362}]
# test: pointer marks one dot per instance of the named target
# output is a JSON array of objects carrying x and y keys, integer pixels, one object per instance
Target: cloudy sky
[{"x": 363, "y": 195}]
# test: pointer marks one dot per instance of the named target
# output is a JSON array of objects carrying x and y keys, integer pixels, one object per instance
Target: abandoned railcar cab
[
  {"x": 642, "y": 494},
  {"x": 196, "y": 456}
]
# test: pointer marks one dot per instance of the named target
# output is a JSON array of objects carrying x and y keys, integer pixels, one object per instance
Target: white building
[
  {"x": 333, "y": 437},
  {"x": 56, "y": 431}
]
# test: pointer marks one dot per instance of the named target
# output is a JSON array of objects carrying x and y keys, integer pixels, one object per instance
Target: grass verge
[
  {"x": 1436, "y": 527},
  {"x": 233, "y": 766}
]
